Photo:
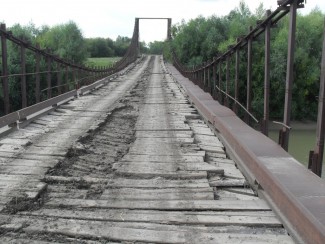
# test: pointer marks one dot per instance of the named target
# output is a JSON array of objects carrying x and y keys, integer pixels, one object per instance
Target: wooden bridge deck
[{"x": 130, "y": 162}]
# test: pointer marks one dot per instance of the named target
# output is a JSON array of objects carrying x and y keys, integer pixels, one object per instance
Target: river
[{"x": 302, "y": 140}]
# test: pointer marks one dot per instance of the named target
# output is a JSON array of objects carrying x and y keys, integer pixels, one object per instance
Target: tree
[
  {"x": 201, "y": 39},
  {"x": 100, "y": 47},
  {"x": 66, "y": 41},
  {"x": 121, "y": 45}
]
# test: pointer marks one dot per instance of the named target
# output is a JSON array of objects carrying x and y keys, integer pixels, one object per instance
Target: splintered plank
[
  {"x": 64, "y": 179},
  {"x": 12, "y": 240},
  {"x": 157, "y": 183},
  {"x": 167, "y": 166},
  {"x": 163, "y": 134},
  {"x": 149, "y": 173},
  {"x": 254, "y": 219},
  {"x": 161, "y": 127},
  {"x": 30, "y": 163},
  {"x": 164, "y": 140},
  {"x": 159, "y": 194},
  {"x": 135, "y": 232},
  {"x": 227, "y": 182},
  {"x": 205, "y": 139},
  {"x": 155, "y": 150},
  {"x": 202, "y": 131},
  {"x": 211, "y": 148},
  {"x": 23, "y": 170},
  {"x": 162, "y": 158},
  {"x": 181, "y": 205}
]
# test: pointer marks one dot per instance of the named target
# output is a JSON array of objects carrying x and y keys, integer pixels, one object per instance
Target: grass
[{"x": 101, "y": 61}]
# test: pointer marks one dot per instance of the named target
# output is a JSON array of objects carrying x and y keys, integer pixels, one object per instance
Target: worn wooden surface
[{"x": 172, "y": 182}]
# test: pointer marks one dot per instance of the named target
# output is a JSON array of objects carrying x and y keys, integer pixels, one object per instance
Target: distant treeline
[{"x": 66, "y": 40}]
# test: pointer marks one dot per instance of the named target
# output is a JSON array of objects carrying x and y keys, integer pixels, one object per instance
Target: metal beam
[
  {"x": 317, "y": 154},
  {"x": 265, "y": 123},
  {"x": 23, "y": 77},
  {"x": 249, "y": 75},
  {"x": 289, "y": 77},
  {"x": 5, "y": 86}
]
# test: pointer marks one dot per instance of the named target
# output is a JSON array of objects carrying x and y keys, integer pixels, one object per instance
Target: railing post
[
  {"x": 74, "y": 77},
  {"x": 49, "y": 77},
  {"x": 66, "y": 87},
  {"x": 289, "y": 77},
  {"x": 317, "y": 155},
  {"x": 37, "y": 75},
  {"x": 214, "y": 78},
  {"x": 59, "y": 78},
  {"x": 201, "y": 78},
  {"x": 235, "y": 107},
  {"x": 23, "y": 76},
  {"x": 209, "y": 80},
  {"x": 227, "y": 79},
  {"x": 265, "y": 122},
  {"x": 4, "y": 56},
  {"x": 249, "y": 76},
  {"x": 220, "y": 80}
]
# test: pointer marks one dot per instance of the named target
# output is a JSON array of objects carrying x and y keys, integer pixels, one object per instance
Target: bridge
[{"x": 151, "y": 151}]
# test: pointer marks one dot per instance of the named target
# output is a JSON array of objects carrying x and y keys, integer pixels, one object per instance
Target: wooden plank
[
  {"x": 64, "y": 179},
  {"x": 205, "y": 139},
  {"x": 14, "y": 141},
  {"x": 157, "y": 183},
  {"x": 210, "y": 148},
  {"x": 228, "y": 182},
  {"x": 163, "y": 134},
  {"x": 23, "y": 170},
  {"x": 182, "y": 205},
  {"x": 165, "y": 140},
  {"x": 254, "y": 219},
  {"x": 202, "y": 131},
  {"x": 224, "y": 195},
  {"x": 150, "y": 173},
  {"x": 212, "y": 155},
  {"x": 156, "y": 152},
  {"x": 158, "y": 194},
  {"x": 30, "y": 163},
  {"x": 168, "y": 166},
  {"x": 13, "y": 240},
  {"x": 119, "y": 231}
]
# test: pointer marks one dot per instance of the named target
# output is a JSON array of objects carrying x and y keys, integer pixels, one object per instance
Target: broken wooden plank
[
  {"x": 157, "y": 183},
  {"x": 254, "y": 219},
  {"x": 183, "y": 205},
  {"x": 158, "y": 194}
]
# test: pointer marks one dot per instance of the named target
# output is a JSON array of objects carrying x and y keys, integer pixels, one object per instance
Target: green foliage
[
  {"x": 156, "y": 47},
  {"x": 201, "y": 39},
  {"x": 121, "y": 45},
  {"x": 28, "y": 34},
  {"x": 100, "y": 47},
  {"x": 101, "y": 62},
  {"x": 66, "y": 41}
]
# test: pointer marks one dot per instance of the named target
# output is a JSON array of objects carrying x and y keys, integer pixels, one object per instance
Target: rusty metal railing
[
  {"x": 69, "y": 76},
  {"x": 209, "y": 77}
]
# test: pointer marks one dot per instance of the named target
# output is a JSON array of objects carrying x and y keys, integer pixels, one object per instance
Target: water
[{"x": 300, "y": 143}]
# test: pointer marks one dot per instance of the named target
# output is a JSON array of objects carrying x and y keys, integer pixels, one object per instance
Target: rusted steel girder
[
  {"x": 249, "y": 76},
  {"x": 23, "y": 77},
  {"x": 316, "y": 156},
  {"x": 284, "y": 133},
  {"x": 265, "y": 122},
  {"x": 4, "y": 56}
]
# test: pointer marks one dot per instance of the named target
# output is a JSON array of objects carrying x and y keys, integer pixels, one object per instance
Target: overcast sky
[{"x": 110, "y": 18}]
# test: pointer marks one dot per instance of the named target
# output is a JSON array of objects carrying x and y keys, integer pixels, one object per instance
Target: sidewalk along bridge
[{"x": 145, "y": 151}]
